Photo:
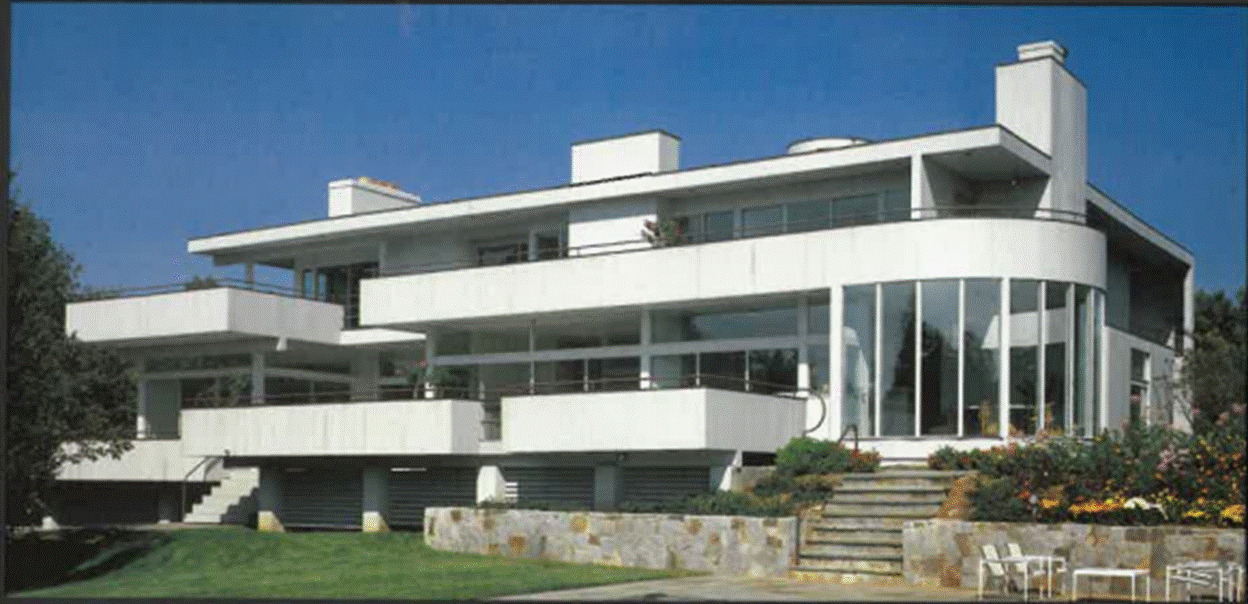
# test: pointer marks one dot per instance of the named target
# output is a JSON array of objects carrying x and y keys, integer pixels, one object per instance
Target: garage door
[
  {"x": 562, "y": 486},
  {"x": 413, "y": 491},
  {"x": 662, "y": 484},
  {"x": 322, "y": 498}
]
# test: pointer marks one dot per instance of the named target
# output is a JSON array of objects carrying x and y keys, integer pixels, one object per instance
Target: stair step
[
  {"x": 866, "y": 522},
  {"x": 885, "y": 474},
  {"x": 882, "y": 510},
  {"x": 825, "y": 575},
  {"x": 858, "y": 537},
  {"x": 891, "y": 566},
  {"x": 890, "y": 498},
  {"x": 871, "y": 551}
]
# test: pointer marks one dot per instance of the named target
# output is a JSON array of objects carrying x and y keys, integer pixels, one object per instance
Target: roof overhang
[{"x": 995, "y": 144}]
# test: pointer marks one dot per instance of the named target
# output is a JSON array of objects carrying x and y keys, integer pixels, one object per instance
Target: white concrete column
[
  {"x": 140, "y": 416},
  {"x": 376, "y": 497},
  {"x": 1003, "y": 385},
  {"x": 490, "y": 484},
  {"x": 647, "y": 337},
  {"x": 297, "y": 279},
  {"x": 269, "y": 500},
  {"x": 249, "y": 272},
  {"x": 724, "y": 476},
  {"x": 608, "y": 485},
  {"x": 920, "y": 188},
  {"x": 1189, "y": 310},
  {"x": 803, "y": 355},
  {"x": 167, "y": 506},
  {"x": 833, "y": 424},
  {"x": 257, "y": 378},
  {"x": 431, "y": 359}
]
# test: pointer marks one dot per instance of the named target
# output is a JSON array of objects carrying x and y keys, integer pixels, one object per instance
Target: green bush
[
  {"x": 719, "y": 503},
  {"x": 805, "y": 456},
  {"x": 995, "y": 500}
]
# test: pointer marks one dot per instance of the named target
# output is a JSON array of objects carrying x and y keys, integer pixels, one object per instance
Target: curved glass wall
[{"x": 939, "y": 346}]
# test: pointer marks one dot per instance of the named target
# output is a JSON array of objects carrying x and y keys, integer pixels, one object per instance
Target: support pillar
[
  {"x": 376, "y": 500},
  {"x": 257, "y": 378},
  {"x": 431, "y": 354},
  {"x": 724, "y": 476},
  {"x": 140, "y": 417},
  {"x": 646, "y": 338},
  {"x": 803, "y": 354},
  {"x": 167, "y": 506},
  {"x": 269, "y": 500},
  {"x": 490, "y": 484},
  {"x": 249, "y": 272},
  {"x": 1003, "y": 350},
  {"x": 608, "y": 485}
]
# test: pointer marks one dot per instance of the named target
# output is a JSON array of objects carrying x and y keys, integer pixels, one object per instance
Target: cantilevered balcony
[{"x": 199, "y": 312}]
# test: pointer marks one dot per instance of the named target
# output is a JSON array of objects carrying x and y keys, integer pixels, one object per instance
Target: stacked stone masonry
[
  {"x": 946, "y": 552},
  {"x": 725, "y": 545}
]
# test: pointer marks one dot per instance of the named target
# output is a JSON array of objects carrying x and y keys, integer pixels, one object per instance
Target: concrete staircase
[
  {"x": 231, "y": 502},
  {"x": 856, "y": 535}
]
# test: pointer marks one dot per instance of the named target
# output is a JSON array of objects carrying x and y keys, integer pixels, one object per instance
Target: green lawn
[{"x": 233, "y": 562}]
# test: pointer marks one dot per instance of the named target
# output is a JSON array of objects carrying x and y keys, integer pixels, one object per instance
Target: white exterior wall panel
[
  {"x": 364, "y": 428},
  {"x": 147, "y": 460},
  {"x": 929, "y": 249}
]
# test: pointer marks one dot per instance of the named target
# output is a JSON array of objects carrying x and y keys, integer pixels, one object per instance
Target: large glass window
[
  {"x": 938, "y": 399},
  {"x": 1024, "y": 355},
  {"x": 621, "y": 331},
  {"x": 773, "y": 371},
  {"x": 723, "y": 323},
  {"x": 1137, "y": 404},
  {"x": 672, "y": 371},
  {"x": 858, "y": 373},
  {"x": 859, "y": 209},
  {"x": 211, "y": 361},
  {"x": 616, "y": 374},
  {"x": 981, "y": 339},
  {"x": 896, "y": 205},
  {"x": 809, "y": 216},
  {"x": 554, "y": 377},
  {"x": 723, "y": 370},
  {"x": 897, "y": 359},
  {"x": 817, "y": 320},
  {"x": 767, "y": 220},
  {"x": 817, "y": 358},
  {"x": 1057, "y": 334}
]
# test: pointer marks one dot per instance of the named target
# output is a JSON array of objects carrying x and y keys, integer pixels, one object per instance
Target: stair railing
[
  {"x": 187, "y": 477},
  {"x": 848, "y": 428}
]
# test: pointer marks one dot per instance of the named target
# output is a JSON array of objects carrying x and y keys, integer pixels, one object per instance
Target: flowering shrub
[
  {"x": 805, "y": 455},
  {"x": 1141, "y": 476}
]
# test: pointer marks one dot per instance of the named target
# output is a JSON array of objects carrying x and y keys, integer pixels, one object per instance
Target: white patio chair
[
  {"x": 1058, "y": 564},
  {"x": 996, "y": 570}
]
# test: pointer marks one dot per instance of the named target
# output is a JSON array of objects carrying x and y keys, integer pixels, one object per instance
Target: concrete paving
[{"x": 744, "y": 588}]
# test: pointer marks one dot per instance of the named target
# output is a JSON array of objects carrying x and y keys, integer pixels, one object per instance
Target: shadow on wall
[{"x": 46, "y": 558}]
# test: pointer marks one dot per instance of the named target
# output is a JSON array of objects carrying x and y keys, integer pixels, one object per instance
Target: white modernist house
[{"x": 647, "y": 329}]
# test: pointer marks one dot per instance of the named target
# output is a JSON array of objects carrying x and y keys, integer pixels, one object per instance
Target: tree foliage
[
  {"x": 67, "y": 400},
  {"x": 1214, "y": 370}
]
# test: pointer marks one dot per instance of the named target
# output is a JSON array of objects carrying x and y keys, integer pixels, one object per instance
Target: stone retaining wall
[
  {"x": 947, "y": 552},
  {"x": 728, "y": 545}
]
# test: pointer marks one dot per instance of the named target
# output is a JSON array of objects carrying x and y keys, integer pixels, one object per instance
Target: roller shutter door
[
  {"x": 323, "y": 498},
  {"x": 662, "y": 484},
  {"x": 564, "y": 486},
  {"x": 412, "y": 492}
]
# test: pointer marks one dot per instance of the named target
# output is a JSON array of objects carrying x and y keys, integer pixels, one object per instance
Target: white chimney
[
  {"x": 364, "y": 194},
  {"x": 648, "y": 152},
  {"x": 1040, "y": 101}
]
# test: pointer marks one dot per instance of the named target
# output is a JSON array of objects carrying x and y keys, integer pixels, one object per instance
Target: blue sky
[{"x": 137, "y": 126}]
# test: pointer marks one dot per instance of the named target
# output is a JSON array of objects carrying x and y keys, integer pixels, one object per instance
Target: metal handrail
[
  {"x": 187, "y": 477},
  {"x": 781, "y": 228},
  {"x": 848, "y": 428},
  {"x": 195, "y": 285},
  {"x": 692, "y": 380}
]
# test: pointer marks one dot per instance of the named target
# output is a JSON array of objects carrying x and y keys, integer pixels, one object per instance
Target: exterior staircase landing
[
  {"x": 856, "y": 535},
  {"x": 231, "y": 502}
]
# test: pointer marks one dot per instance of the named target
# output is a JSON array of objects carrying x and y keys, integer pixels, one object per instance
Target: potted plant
[{"x": 662, "y": 233}]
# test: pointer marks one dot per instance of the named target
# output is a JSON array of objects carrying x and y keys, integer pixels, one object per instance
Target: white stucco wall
[
  {"x": 1120, "y": 344},
  {"x": 618, "y": 223},
  {"x": 649, "y": 420},
  {"x": 353, "y": 196},
  {"x": 628, "y": 155},
  {"x": 364, "y": 428},
  {"x": 797, "y": 262},
  {"x": 219, "y": 313},
  {"x": 148, "y": 460}
]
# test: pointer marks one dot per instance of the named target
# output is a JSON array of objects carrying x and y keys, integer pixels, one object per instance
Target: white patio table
[{"x": 1130, "y": 573}]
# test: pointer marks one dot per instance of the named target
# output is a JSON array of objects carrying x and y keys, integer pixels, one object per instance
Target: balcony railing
[
  {"x": 782, "y": 228},
  {"x": 193, "y": 285}
]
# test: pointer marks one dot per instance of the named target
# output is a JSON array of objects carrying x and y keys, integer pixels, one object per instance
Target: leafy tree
[
  {"x": 67, "y": 401},
  {"x": 1214, "y": 369}
]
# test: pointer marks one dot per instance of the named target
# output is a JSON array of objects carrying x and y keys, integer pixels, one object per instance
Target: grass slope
[{"x": 231, "y": 562}]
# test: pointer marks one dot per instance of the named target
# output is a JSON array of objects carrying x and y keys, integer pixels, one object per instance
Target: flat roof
[{"x": 795, "y": 165}]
